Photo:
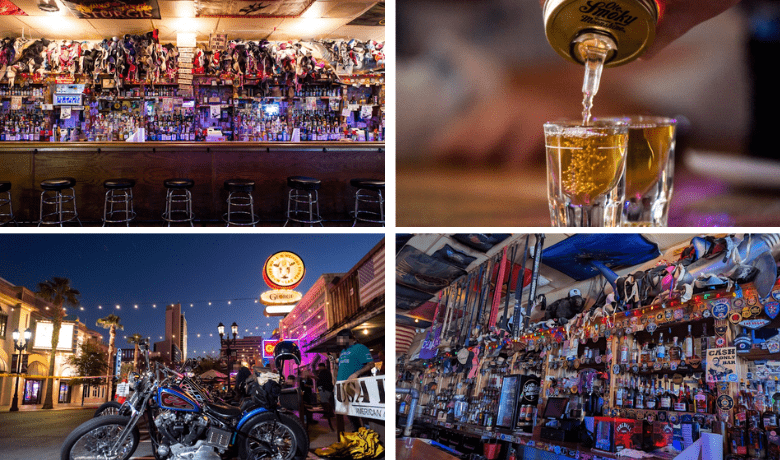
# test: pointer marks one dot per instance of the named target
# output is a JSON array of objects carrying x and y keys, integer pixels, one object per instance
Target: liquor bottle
[
  {"x": 666, "y": 397},
  {"x": 619, "y": 393},
  {"x": 681, "y": 405},
  {"x": 639, "y": 399},
  {"x": 740, "y": 413},
  {"x": 675, "y": 352},
  {"x": 646, "y": 357},
  {"x": 660, "y": 349},
  {"x": 634, "y": 353},
  {"x": 628, "y": 394},
  {"x": 624, "y": 350},
  {"x": 651, "y": 402},
  {"x": 753, "y": 415},
  {"x": 688, "y": 345},
  {"x": 769, "y": 417},
  {"x": 738, "y": 438},
  {"x": 700, "y": 401},
  {"x": 569, "y": 23},
  {"x": 756, "y": 443}
]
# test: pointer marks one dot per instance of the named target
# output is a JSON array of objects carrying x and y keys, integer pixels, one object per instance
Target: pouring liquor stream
[{"x": 593, "y": 49}]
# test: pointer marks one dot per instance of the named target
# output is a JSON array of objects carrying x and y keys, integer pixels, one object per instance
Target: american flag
[{"x": 371, "y": 277}]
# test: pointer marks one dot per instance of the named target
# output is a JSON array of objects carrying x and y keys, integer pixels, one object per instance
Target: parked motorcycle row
[{"x": 186, "y": 423}]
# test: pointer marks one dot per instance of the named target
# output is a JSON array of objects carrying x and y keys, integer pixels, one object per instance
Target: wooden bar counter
[{"x": 209, "y": 164}]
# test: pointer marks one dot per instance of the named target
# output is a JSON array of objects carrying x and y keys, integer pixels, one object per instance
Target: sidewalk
[{"x": 31, "y": 407}]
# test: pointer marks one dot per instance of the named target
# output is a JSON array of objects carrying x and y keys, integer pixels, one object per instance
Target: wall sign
[
  {"x": 364, "y": 397},
  {"x": 116, "y": 9},
  {"x": 722, "y": 364}
]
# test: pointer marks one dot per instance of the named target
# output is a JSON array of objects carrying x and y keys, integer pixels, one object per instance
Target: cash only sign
[{"x": 363, "y": 397}]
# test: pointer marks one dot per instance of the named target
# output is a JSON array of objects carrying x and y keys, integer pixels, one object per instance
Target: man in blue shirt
[{"x": 354, "y": 361}]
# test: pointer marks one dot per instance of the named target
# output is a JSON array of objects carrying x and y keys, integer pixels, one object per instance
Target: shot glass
[
  {"x": 649, "y": 169},
  {"x": 586, "y": 172}
]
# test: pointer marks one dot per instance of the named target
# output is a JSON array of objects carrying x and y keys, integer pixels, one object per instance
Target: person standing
[{"x": 354, "y": 361}]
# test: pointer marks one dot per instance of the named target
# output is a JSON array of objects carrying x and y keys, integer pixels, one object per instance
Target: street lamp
[
  {"x": 19, "y": 346},
  {"x": 227, "y": 343}
]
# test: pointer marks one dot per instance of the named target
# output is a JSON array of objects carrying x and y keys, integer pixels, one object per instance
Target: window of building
[
  {"x": 3, "y": 324},
  {"x": 64, "y": 392}
]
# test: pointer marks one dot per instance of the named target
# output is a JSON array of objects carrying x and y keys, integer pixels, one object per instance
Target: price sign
[{"x": 16, "y": 102}]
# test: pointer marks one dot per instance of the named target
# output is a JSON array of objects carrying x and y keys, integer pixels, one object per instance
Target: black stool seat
[
  {"x": 240, "y": 185},
  {"x": 115, "y": 184},
  {"x": 179, "y": 183},
  {"x": 303, "y": 183},
  {"x": 5, "y": 186},
  {"x": 58, "y": 184},
  {"x": 369, "y": 184}
]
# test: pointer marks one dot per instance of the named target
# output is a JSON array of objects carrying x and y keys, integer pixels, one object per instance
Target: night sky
[{"x": 148, "y": 269}]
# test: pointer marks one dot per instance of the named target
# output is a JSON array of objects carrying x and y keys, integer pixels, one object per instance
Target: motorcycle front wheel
[
  {"x": 108, "y": 408},
  {"x": 274, "y": 439},
  {"x": 92, "y": 440}
]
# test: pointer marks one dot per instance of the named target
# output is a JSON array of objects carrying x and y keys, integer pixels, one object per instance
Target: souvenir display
[{"x": 622, "y": 361}]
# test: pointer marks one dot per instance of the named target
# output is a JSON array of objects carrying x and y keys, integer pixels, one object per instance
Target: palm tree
[
  {"x": 58, "y": 292},
  {"x": 135, "y": 339},
  {"x": 110, "y": 322}
]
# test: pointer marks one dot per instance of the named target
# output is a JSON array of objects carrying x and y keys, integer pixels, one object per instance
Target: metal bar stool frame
[
  {"x": 368, "y": 196},
  {"x": 240, "y": 200},
  {"x": 240, "y": 196},
  {"x": 58, "y": 199},
  {"x": 175, "y": 196},
  {"x": 114, "y": 196},
  {"x": 5, "y": 201},
  {"x": 306, "y": 197}
]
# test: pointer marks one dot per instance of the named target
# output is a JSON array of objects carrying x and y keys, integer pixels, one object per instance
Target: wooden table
[{"x": 517, "y": 197}]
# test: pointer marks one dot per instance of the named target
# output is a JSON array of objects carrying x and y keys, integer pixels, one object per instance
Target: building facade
[
  {"x": 354, "y": 300},
  {"x": 21, "y": 309},
  {"x": 173, "y": 349}
]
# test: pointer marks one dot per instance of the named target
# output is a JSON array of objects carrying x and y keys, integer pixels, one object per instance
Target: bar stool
[
  {"x": 240, "y": 197},
  {"x": 6, "y": 217},
  {"x": 178, "y": 195},
  {"x": 303, "y": 190},
  {"x": 58, "y": 192},
  {"x": 369, "y": 191},
  {"x": 118, "y": 192}
]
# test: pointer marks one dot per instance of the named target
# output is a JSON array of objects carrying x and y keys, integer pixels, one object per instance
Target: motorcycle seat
[{"x": 224, "y": 410}]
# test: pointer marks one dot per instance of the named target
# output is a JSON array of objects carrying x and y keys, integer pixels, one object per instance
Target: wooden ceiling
[{"x": 324, "y": 19}]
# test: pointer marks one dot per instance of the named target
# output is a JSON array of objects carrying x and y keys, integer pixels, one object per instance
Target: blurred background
[{"x": 477, "y": 79}]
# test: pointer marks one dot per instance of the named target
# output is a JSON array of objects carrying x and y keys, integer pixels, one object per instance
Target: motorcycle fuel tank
[{"x": 176, "y": 399}]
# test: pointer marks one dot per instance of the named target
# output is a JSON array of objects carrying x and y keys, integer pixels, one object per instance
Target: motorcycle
[
  {"x": 182, "y": 380},
  {"x": 182, "y": 428}
]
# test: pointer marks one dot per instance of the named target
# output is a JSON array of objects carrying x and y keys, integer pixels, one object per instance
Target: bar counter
[
  {"x": 534, "y": 446},
  {"x": 209, "y": 164}
]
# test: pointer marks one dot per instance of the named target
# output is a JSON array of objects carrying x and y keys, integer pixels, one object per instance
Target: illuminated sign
[
  {"x": 268, "y": 348},
  {"x": 67, "y": 99},
  {"x": 44, "y": 331},
  {"x": 280, "y": 297},
  {"x": 283, "y": 270},
  {"x": 269, "y": 345},
  {"x": 278, "y": 310}
]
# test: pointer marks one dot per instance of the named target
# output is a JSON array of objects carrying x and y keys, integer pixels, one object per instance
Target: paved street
[{"x": 38, "y": 434}]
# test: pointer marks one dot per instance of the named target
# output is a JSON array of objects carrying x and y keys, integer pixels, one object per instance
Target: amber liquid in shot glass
[{"x": 585, "y": 173}]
